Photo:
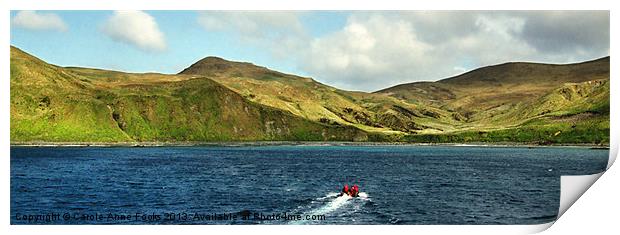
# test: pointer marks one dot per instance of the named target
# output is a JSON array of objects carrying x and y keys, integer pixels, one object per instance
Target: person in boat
[
  {"x": 345, "y": 190},
  {"x": 354, "y": 192}
]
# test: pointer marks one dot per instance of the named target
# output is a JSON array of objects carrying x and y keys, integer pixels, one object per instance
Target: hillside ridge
[{"x": 219, "y": 100}]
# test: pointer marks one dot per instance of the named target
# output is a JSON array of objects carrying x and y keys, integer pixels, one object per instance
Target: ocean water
[{"x": 292, "y": 184}]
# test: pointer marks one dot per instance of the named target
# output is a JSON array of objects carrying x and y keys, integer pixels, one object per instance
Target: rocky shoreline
[{"x": 290, "y": 143}]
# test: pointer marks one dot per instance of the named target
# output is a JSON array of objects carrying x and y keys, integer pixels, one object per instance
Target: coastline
[{"x": 294, "y": 143}]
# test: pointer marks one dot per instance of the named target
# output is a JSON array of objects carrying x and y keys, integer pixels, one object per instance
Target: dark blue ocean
[{"x": 292, "y": 184}]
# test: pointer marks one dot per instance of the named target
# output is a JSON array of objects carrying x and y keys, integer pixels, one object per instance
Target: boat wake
[{"x": 333, "y": 204}]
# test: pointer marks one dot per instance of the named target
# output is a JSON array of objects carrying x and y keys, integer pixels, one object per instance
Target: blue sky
[
  {"x": 349, "y": 50},
  {"x": 84, "y": 45}
]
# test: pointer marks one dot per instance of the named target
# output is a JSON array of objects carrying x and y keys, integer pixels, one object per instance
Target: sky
[{"x": 352, "y": 50}]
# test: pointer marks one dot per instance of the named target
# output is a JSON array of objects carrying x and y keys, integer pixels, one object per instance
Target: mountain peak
[
  {"x": 213, "y": 59},
  {"x": 214, "y": 64},
  {"x": 207, "y": 65}
]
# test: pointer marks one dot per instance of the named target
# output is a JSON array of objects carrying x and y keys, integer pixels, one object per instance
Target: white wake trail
[{"x": 332, "y": 205}]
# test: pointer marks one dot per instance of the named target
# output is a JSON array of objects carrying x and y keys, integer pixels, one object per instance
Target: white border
[{"x": 592, "y": 200}]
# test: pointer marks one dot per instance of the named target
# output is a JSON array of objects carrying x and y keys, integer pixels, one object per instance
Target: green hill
[
  {"x": 51, "y": 103},
  {"x": 312, "y": 100},
  {"x": 219, "y": 100},
  {"x": 520, "y": 102},
  {"x": 487, "y": 88}
]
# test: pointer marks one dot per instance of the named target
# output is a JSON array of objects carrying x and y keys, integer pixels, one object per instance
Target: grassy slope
[
  {"x": 521, "y": 102},
  {"x": 50, "y": 103},
  {"x": 219, "y": 100},
  {"x": 495, "y": 98},
  {"x": 315, "y": 101},
  {"x": 483, "y": 92}
]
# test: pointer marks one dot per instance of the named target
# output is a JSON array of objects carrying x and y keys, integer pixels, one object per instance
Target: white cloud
[
  {"x": 39, "y": 21},
  {"x": 370, "y": 51},
  {"x": 378, "y": 50},
  {"x": 251, "y": 24},
  {"x": 136, "y": 28},
  {"x": 278, "y": 31},
  {"x": 375, "y": 50}
]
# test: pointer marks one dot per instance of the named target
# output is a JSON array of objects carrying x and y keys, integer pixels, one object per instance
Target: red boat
[{"x": 352, "y": 191}]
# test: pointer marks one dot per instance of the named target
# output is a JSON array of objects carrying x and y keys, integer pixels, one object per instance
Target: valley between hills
[{"x": 216, "y": 100}]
